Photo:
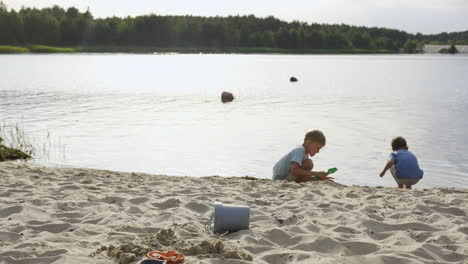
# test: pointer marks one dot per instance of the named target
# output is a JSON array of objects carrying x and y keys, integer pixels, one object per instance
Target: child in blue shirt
[
  {"x": 403, "y": 165},
  {"x": 296, "y": 165}
]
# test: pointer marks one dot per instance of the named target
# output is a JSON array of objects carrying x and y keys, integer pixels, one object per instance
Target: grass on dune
[{"x": 18, "y": 146}]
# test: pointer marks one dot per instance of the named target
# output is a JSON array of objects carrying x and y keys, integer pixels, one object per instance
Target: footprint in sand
[
  {"x": 359, "y": 248},
  {"x": 284, "y": 258},
  {"x": 382, "y": 227},
  {"x": 9, "y": 236},
  {"x": 322, "y": 245},
  {"x": 113, "y": 200},
  {"x": 448, "y": 210},
  {"x": 197, "y": 207},
  {"x": 52, "y": 253},
  {"x": 6, "y": 212},
  {"x": 169, "y": 203},
  {"x": 139, "y": 200},
  {"x": 52, "y": 228},
  {"x": 281, "y": 238},
  {"x": 346, "y": 230}
]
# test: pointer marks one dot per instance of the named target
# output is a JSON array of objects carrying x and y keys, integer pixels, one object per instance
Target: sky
[{"x": 425, "y": 16}]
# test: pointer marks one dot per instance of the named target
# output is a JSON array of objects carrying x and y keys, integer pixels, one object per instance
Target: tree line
[
  {"x": 70, "y": 27},
  {"x": 444, "y": 38}
]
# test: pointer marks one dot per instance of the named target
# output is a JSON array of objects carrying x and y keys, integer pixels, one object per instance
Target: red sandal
[{"x": 170, "y": 257}]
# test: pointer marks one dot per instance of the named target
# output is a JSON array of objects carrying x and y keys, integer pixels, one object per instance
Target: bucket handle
[{"x": 209, "y": 224}]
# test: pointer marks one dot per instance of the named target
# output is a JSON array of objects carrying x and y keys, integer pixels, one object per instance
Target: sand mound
[
  {"x": 166, "y": 239},
  {"x": 216, "y": 248}
]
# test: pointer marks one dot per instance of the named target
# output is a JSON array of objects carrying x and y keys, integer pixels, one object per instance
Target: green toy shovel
[{"x": 330, "y": 171}]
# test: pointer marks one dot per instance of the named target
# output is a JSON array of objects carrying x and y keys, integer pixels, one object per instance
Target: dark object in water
[
  {"x": 227, "y": 97},
  {"x": 293, "y": 79}
]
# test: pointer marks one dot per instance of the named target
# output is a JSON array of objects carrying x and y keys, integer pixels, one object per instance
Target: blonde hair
[{"x": 316, "y": 136}]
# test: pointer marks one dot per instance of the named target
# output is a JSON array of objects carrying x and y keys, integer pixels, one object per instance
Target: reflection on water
[{"x": 162, "y": 114}]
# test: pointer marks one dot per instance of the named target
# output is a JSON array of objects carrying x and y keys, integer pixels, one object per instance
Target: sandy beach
[{"x": 71, "y": 215}]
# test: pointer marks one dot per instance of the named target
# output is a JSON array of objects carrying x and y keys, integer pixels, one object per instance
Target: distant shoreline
[
  {"x": 462, "y": 49},
  {"x": 183, "y": 50},
  {"x": 41, "y": 49}
]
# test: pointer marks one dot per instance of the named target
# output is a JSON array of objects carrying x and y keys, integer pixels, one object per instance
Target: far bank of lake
[
  {"x": 5, "y": 49},
  {"x": 183, "y": 50}
]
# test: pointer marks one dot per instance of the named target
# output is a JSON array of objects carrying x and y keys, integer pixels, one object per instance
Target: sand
[{"x": 70, "y": 215}]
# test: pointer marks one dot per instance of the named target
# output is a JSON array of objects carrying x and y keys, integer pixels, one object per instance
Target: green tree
[
  {"x": 413, "y": 46},
  {"x": 314, "y": 39},
  {"x": 282, "y": 38},
  {"x": 361, "y": 40},
  {"x": 336, "y": 40},
  {"x": 58, "y": 26},
  {"x": 41, "y": 27},
  {"x": 386, "y": 43},
  {"x": 6, "y": 31}
]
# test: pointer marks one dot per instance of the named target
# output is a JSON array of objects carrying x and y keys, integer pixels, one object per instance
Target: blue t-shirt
[
  {"x": 282, "y": 167},
  {"x": 406, "y": 165}
]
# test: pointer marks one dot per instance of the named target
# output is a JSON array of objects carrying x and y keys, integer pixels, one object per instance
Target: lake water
[{"x": 162, "y": 114}]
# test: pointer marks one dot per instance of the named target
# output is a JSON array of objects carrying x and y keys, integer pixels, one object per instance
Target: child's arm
[
  {"x": 306, "y": 175},
  {"x": 387, "y": 166}
]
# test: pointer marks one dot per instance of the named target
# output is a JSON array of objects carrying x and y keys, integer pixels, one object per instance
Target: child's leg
[
  {"x": 393, "y": 171},
  {"x": 291, "y": 178},
  {"x": 307, "y": 164},
  {"x": 409, "y": 182}
]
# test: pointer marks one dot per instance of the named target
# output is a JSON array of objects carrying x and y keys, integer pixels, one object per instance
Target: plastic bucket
[{"x": 230, "y": 217}]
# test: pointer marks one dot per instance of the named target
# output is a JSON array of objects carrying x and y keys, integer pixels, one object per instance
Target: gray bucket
[{"x": 230, "y": 217}]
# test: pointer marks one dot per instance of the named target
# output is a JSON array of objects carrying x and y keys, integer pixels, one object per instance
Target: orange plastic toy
[{"x": 170, "y": 257}]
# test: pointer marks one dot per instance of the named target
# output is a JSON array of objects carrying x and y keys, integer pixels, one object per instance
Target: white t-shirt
[{"x": 282, "y": 167}]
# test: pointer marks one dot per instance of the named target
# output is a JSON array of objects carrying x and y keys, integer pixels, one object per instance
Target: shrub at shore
[{"x": 451, "y": 50}]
